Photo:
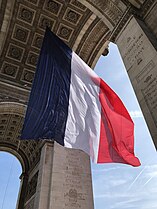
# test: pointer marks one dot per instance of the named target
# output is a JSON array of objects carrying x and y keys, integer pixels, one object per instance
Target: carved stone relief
[{"x": 31, "y": 187}]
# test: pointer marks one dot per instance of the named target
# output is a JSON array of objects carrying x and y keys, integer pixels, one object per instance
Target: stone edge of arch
[{"x": 19, "y": 109}]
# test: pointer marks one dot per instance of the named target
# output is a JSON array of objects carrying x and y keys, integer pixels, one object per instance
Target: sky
[
  {"x": 115, "y": 186},
  {"x": 119, "y": 186}
]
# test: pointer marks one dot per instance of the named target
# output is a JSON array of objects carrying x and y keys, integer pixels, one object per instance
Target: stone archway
[
  {"x": 28, "y": 153},
  {"x": 11, "y": 121}
]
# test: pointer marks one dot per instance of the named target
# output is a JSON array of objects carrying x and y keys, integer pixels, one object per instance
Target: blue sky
[
  {"x": 118, "y": 186},
  {"x": 10, "y": 170},
  {"x": 115, "y": 186}
]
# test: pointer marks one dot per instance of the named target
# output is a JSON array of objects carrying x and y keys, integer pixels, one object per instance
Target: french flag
[{"x": 70, "y": 104}]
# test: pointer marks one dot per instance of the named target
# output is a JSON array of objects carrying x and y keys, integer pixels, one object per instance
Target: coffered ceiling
[{"x": 84, "y": 25}]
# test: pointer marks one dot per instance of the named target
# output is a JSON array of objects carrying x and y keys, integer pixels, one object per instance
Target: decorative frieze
[
  {"x": 94, "y": 37},
  {"x": 31, "y": 186},
  {"x": 78, "y": 5},
  {"x": 109, "y": 8}
]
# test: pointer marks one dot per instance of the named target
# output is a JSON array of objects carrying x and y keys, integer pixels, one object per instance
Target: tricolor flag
[{"x": 70, "y": 104}]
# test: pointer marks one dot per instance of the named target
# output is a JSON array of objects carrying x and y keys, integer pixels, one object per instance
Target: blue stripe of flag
[{"x": 47, "y": 109}]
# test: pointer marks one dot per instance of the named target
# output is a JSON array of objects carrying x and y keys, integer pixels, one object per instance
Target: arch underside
[
  {"x": 11, "y": 121},
  {"x": 85, "y": 25}
]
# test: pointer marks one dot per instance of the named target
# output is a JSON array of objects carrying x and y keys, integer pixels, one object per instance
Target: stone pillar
[
  {"x": 22, "y": 191},
  {"x": 138, "y": 49},
  {"x": 64, "y": 179},
  {"x": 42, "y": 196}
]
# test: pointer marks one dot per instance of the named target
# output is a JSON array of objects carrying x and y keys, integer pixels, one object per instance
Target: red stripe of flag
[{"x": 117, "y": 129}]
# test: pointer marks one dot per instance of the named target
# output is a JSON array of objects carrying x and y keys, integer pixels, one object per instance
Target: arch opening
[{"x": 11, "y": 170}]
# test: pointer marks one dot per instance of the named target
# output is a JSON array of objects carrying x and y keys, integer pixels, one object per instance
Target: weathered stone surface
[
  {"x": 64, "y": 180},
  {"x": 140, "y": 58},
  {"x": 71, "y": 185},
  {"x": 150, "y": 18}
]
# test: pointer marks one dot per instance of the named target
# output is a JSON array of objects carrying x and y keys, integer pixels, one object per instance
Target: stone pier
[
  {"x": 138, "y": 48},
  {"x": 64, "y": 179}
]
